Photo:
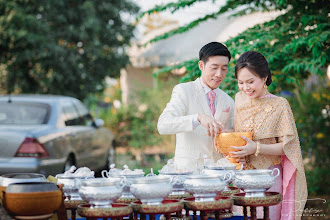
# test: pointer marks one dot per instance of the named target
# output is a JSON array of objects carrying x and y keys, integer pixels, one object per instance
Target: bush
[
  {"x": 135, "y": 125},
  {"x": 312, "y": 116}
]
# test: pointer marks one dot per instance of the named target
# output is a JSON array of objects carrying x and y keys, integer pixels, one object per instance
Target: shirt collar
[{"x": 207, "y": 89}]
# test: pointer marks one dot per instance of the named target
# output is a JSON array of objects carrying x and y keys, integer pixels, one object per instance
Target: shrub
[{"x": 312, "y": 116}]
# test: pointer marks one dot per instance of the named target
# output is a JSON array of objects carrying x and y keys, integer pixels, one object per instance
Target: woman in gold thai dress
[{"x": 275, "y": 141}]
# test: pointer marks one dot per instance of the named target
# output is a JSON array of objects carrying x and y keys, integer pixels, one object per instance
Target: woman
[{"x": 275, "y": 141}]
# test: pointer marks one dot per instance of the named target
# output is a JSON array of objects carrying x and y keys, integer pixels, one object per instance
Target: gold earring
[{"x": 265, "y": 88}]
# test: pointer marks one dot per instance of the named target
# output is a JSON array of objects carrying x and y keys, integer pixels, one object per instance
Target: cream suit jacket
[{"x": 187, "y": 100}]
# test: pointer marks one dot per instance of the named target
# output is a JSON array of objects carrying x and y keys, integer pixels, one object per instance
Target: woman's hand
[
  {"x": 214, "y": 127},
  {"x": 241, "y": 160},
  {"x": 248, "y": 149}
]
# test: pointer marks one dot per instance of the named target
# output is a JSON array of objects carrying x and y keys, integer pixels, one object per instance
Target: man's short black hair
[{"x": 213, "y": 49}]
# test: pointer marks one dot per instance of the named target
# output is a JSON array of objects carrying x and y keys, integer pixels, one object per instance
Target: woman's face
[{"x": 251, "y": 84}]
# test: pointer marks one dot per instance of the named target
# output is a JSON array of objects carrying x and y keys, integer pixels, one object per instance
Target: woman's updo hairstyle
[{"x": 256, "y": 63}]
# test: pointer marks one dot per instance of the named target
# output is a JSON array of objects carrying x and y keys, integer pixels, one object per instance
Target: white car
[{"x": 47, "y": 134}]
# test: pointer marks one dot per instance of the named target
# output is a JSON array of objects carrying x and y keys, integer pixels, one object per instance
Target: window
[
  {"x": 24, "y": 113},
  {"x": 86, "y": 117},
  {"x": 71, "y": 114}
]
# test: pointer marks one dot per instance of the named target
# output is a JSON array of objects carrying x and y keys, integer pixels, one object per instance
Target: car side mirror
[{"x": 98, "y": 123}]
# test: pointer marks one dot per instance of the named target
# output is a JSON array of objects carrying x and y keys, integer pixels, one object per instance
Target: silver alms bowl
[
  {"x": 130, "y": 175},
  {"x": 129, "y": 180},
  {"x": 222, "y": 174},
  {"x": 101, "y": 191},
  {"x": 151, "y": 190},
  {"x": 177, "y": 179},
  {"x": 255, "y": 182},
  {"x": 205, "y": 187},
  {"x": 217, "y": 166},
  {"x": 71, "y": 185}
]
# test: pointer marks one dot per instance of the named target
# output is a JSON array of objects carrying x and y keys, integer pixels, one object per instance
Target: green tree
[
  {"x": 62, "y": 47},
  {"x": 295, "y": 43}
]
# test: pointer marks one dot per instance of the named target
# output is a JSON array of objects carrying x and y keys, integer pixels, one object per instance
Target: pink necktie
[{"x": 211, "y": 94}]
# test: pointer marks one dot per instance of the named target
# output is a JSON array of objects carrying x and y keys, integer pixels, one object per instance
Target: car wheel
[{"x": 68, "y": 163}]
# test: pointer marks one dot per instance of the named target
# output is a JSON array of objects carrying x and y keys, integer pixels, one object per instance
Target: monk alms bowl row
[{"x": 152, "y": 190}]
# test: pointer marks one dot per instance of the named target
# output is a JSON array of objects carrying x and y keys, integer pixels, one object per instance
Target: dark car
[{"x": 47, "y": 134}]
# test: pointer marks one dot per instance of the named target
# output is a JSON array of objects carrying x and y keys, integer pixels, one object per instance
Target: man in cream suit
[{"x": 198, "y": 111}]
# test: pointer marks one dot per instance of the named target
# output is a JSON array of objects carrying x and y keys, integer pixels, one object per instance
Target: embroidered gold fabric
[
  {"x": 263, "y": 161},
  {"x": 273, "y": 123}
]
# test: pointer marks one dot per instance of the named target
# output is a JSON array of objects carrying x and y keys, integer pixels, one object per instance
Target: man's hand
[{"x": 214, "y": 127}]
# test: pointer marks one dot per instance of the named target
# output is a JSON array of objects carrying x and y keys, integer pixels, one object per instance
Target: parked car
[{"x": 47, "y": 134}]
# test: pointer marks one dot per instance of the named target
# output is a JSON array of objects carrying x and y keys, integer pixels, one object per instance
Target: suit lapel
[{"x": 202, "y": 97}]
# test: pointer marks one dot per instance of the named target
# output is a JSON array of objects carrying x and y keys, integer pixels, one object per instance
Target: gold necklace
[{"x": 250, "y": 125}]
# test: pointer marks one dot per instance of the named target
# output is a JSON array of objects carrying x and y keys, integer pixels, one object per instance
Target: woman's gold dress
[{"x": 271, "y": 121}]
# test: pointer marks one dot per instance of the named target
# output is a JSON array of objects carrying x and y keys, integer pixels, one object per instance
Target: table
[
  {"x": 167, "y": 207},
  {"x": 114, "y": 211},
  {"x": 271, "y": 198},
  {"x": 72, "y": 206},
  {"x": 220, "y": 203}
]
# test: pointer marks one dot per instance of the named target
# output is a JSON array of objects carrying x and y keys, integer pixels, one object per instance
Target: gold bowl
[
  {"x": 224, "y": 141},
  {"x": 32, "y": 203}
]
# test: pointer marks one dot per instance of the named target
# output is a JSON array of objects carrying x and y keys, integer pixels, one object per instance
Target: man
[{"x": 198, "y": 111}]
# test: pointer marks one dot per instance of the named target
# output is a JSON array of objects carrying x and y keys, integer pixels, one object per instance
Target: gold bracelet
[{"x": 258, "y": 149}]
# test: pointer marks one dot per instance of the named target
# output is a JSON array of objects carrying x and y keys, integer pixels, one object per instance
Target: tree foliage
[
  {"x": 64, "y": 46},
  {"x": 295, "y": 43}
]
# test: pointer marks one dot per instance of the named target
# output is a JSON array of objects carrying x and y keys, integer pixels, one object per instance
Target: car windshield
[{"x": 18, "y": 113}]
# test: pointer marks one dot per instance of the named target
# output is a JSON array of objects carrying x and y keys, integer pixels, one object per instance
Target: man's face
[{"x": 214, "y": 70}]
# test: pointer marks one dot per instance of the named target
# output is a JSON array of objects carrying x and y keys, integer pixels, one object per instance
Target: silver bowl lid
[
  {"x": 217, "y": 167},
  {"x": 254, "y": 172},
  {"x": 99, "y": 182},
  {"x": 65, "y": 176},
  {"x": 9, "y": 178},
  {"x": 127, "y": 174},
  {"x": 203, "y": 176},
  {"x": 175, "y": 173},
  {"x": 151, "y": 180}
]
